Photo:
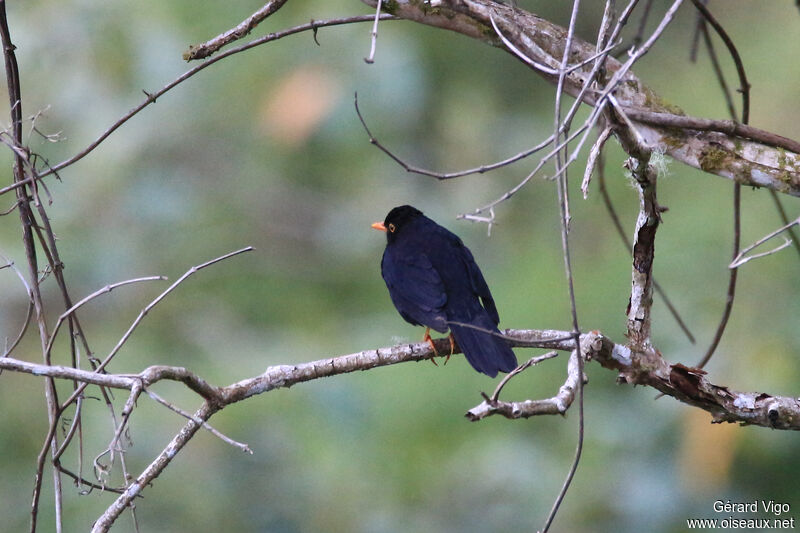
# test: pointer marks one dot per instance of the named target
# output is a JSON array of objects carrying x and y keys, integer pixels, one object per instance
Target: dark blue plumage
[{"x": 433, "y": 280}]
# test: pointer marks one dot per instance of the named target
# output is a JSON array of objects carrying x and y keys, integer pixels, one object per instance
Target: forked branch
[{"x": 645, "y": 367}]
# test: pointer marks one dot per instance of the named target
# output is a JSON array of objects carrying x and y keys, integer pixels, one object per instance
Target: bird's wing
[
  {"x": 416, "y": 289},
  {"x": 479, "y": 285}
]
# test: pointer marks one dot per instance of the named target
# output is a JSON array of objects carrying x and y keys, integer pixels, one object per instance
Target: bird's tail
[{"x": 486, "y": 353}]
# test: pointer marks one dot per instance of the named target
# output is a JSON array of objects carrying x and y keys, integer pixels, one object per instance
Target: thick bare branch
[
  {"x": 637, "y": 367},
  {"x": 641, "y": 300},
  {"x": 691, "y": 386},
  {"x": 645, "y": 367},
  {"x": 147, "y": 377}
]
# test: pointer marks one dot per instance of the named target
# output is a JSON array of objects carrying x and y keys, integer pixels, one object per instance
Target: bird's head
[{"x": 396, "y": 220}]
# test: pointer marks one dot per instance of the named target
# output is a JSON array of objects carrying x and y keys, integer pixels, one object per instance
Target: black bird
[{"x": 433, "y": 281}]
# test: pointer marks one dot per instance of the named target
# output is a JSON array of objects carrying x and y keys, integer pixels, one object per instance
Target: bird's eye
[{"x": 391, "y": 227}]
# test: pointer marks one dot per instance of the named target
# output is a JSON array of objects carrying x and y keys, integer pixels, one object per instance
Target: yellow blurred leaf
[{"x": 706, "y": 452}]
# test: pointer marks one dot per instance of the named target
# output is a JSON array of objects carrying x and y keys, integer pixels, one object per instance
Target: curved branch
[
  {"x": 744, "y": 89},
  {"x": 556, "y": 405},
  {"x": 10, "y": 348},
  {"x": 151, "y": 97}
]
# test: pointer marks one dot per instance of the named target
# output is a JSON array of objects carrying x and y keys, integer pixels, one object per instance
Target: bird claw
[
  {"x": 427, "y": 338},
  {"x": 452, "y": 347}
]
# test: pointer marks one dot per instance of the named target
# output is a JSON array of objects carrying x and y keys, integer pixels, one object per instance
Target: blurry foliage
[{"x": 265, "y": 149}]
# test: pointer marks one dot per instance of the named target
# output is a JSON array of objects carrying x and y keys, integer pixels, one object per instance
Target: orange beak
[{"x": 378, "y": 226}]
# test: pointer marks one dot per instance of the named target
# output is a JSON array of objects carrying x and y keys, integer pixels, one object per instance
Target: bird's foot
[
  {"x": 427, "y": 338},
  {"x": 452, "y": 347}
]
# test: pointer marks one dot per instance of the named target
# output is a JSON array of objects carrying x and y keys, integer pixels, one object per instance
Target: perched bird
[{"x": 433, "y": 281}]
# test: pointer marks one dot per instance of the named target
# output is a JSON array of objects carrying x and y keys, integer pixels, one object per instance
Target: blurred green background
[{"x": 265, "y": 149}]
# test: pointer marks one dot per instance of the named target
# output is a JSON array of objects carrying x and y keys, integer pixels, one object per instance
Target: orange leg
[
  {"x": 427, "y": 337},
  {"x": 452, "y": 347}
]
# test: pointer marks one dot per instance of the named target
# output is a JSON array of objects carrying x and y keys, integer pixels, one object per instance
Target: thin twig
[
  {"x": 733, "y": 276},
  {"x": 87, "y": 299},
  {"x": 740, "y": 262},
  {"x": 144, "y": 312},
  {"x": 712, "y": 54},
  {"x": 744, "y": 88},
  {"x": 127, "y": 410},
  {"x": 583, "y": 130},
  {"x": 785, "y": 219},
  {"x": 743, "y": 258},
  {"x": 521, "y": 368},
  {"x": 10, "y": 209},
  {"x": 81, "y": 481},
  {"x": 637, "y": 39},
  {"x": 602, "y": 50},
  {"x": 555, "y": 405},
  {"x": 543, "y": 68},
  {"x": 16, "y": 185},
  {"x": 563, "y": 202},
  {"x": 371, "y": 58},
  {"x": 600, "y": 103},
  {"x": 513, "y": 339},
  {"x": 151, "y": 97},
  {"x": 208, "y": 427},
  {"x": 445, "y": 175},
  {"x": 212, "y": 46},
  {"x": 591, "y": 161},
  {"x": 70, "y": 433},
  {"x": 103, "y": 523},
  {"x": 744, "y": 85},
  {"x": 623, "y": 19},
  {"x": 47, "y": 241},
  {"x": 699, "y": 26},
  {"x": 10, "y": 264},
  {"x": 728, "y": 127}
]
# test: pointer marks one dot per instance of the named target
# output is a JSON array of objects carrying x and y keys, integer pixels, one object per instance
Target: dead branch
[
  {"x": 644, "y": 367},
  {"x": 641, "y": 300},
  {"x": 743, "y": 258},
  {"x": 556, "y": 405},
  {"x": 640, "y": 368}
]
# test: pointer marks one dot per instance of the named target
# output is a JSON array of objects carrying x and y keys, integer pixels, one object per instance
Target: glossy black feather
[{"x": 433, "y": 281}]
